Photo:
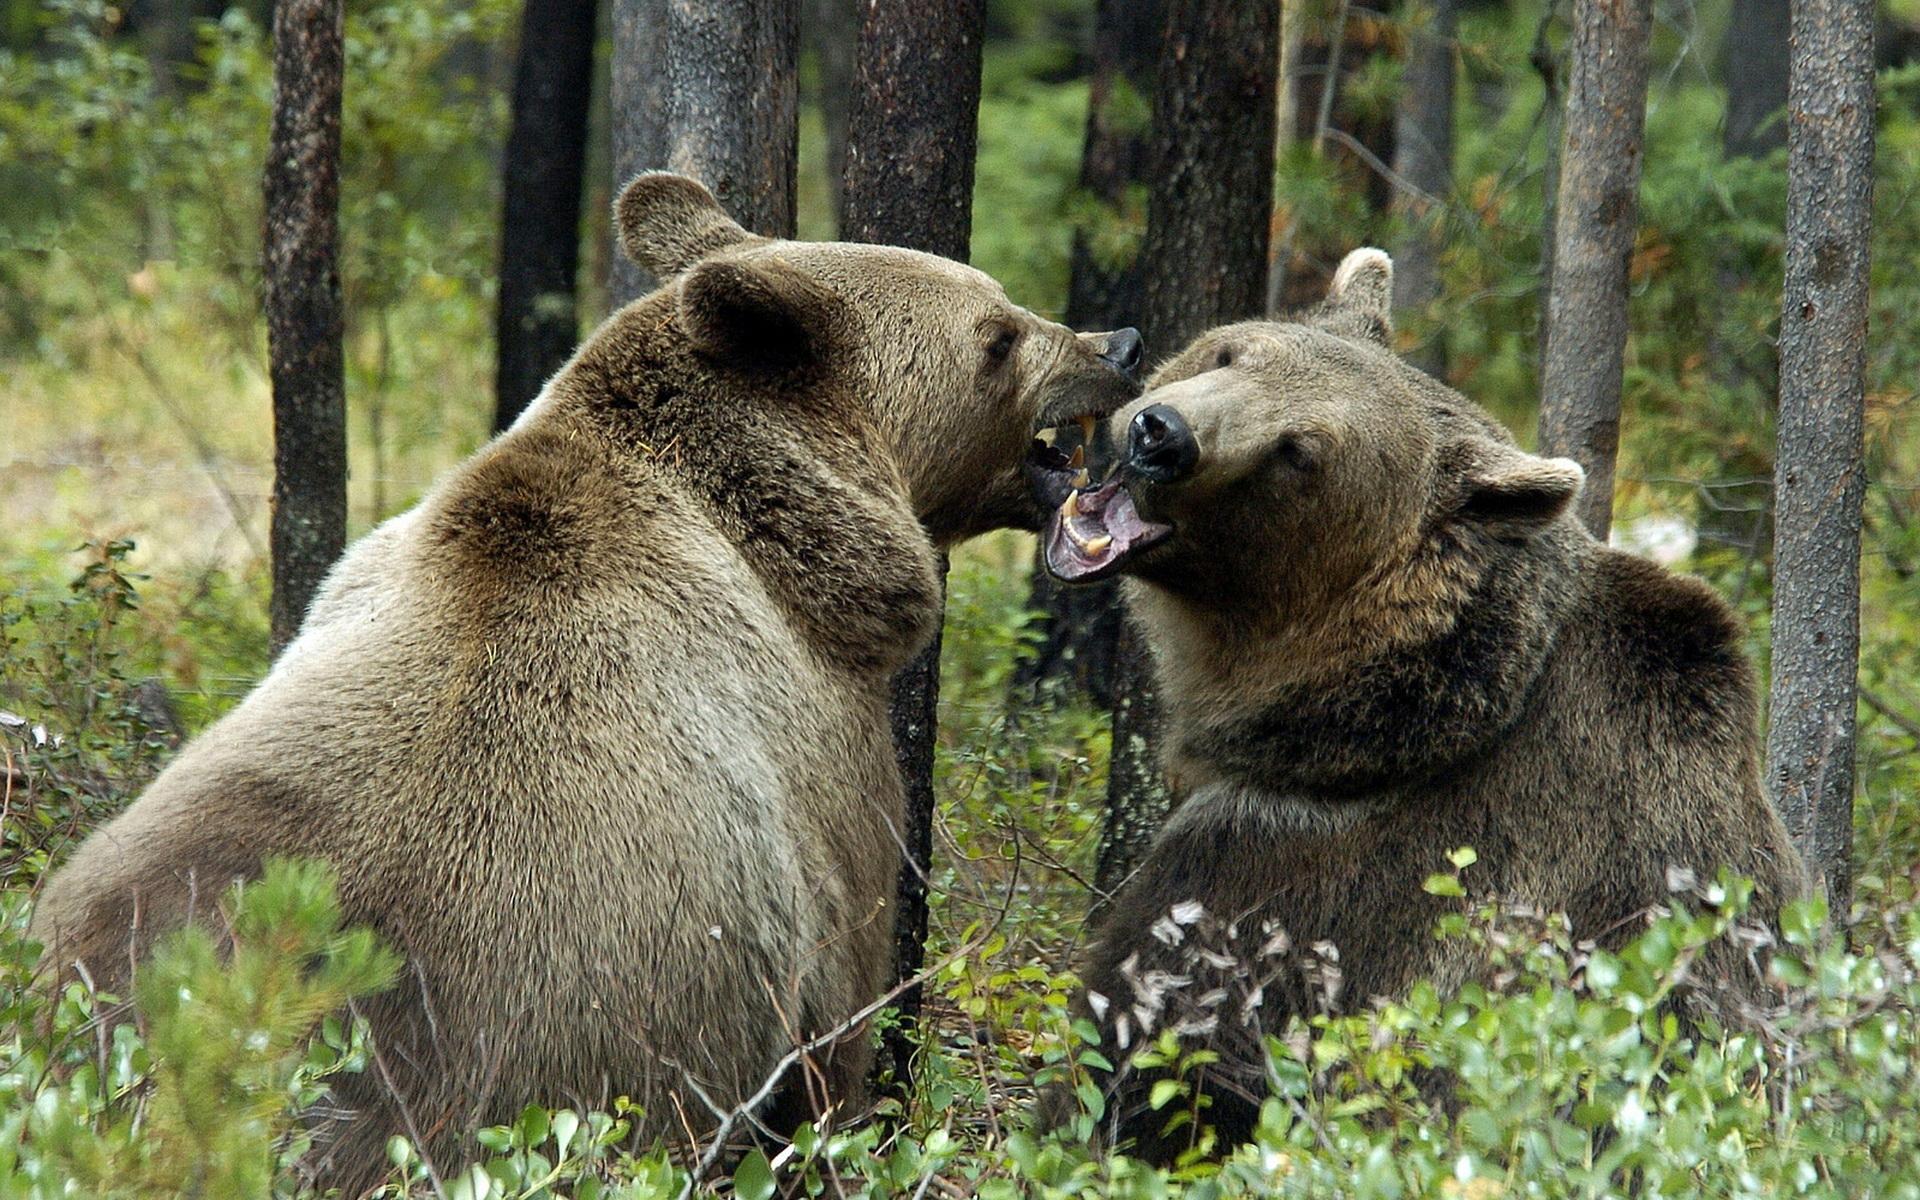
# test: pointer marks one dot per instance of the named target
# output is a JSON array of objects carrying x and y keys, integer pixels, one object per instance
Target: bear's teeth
[
  {"x": 1082, "y": 479},
  {"x": 1097, "y": 545},
  {"x": 1072, "y": 507},
  {"x": 1079, "y": 458},
  {"x": 1086, "y": 428}
]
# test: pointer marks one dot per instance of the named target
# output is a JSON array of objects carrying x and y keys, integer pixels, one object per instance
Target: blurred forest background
[
  {"x": 133, "y": 349},
  {"x": 136, "y": 423}
]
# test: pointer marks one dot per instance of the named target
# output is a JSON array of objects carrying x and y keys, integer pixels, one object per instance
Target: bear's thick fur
[
  {"x": 596, "y": 735},
  {"x": 1380, "y": 634}
]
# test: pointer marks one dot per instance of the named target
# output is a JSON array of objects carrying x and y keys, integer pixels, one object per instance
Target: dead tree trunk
[
  {"x": 1548, "y": 65},
  {"x": 1755, "y": 58},
  {"x": 1737, "y": 510},
  {"x": 1818, "y": 474},
  {"x": 637, "y": 126},
  {"x": 1082, "y": 624},
  {"x": 1423, "y": 168},
  {"x": 1204, "y": 262},
  {"x": 709, "y": 90},
  {"x": 911, "y": 136},
  {"x": 733, "y": 105},
  {"x": 536, "y": 324},
  {"x": 305, "y": 355},
  {"x": 1594, "y": 222}
]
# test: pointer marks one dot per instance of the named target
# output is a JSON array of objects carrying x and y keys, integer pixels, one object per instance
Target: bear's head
[
  {"x": 958, "y": 380},
  {"x": 1281, "y": 463}
]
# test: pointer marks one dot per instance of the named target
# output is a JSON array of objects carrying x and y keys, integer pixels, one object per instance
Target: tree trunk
[
  {"x": 832, "y": 28},
  {"x": 1755, "y": 58},
  {"x": 1818, "y": 474},
  {"x": 911, "y": 135},
  {"x": 637, "y": 133},
  {"x": 1595, "y": 219},
  {"x": 1548, "y": 65},
  {"x": 1423, "y": 161},
  {"x": 733, "y": 104},
  {"x": 536, "y": 325},
  {"x": 305, "y": 356},
  {"x": 1082, "y": 624},
  {"x": 710, "y": 90},
  {"x": 1204, "y": 262}
]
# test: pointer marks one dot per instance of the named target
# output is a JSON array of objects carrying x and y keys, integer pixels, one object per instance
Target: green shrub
[{"x": 200, "y": 1094}]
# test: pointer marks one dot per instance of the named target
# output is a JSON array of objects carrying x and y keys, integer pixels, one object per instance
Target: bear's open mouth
[
  {"x": 1094, "y": 531},
  {"x": 1057, "y": 462}
]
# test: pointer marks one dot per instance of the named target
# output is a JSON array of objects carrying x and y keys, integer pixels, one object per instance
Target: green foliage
[
  {"x": 129, "y": 226},
  {"x": 202, "y": 1095}
]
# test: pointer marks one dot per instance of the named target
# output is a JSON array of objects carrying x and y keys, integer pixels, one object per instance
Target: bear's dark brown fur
[
  {"x": 596, "y": 734},
  {"x": 1379, "y": 634}
]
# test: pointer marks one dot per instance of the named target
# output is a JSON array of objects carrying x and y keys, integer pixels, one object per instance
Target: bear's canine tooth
[
  {"x": 1072, "y": 506},
  {"x": 1079, "y": 459},
  {"x": 1097, "y": 545},
  {"x": 1086, "y": 428},
  {"x": 1082, "y": 479}
]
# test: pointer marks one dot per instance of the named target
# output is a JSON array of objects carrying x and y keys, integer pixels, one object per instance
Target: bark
[
  {"x": 1423, "y": 162},
  {"x": 1549, "y": 66},
  {"x": 637, "y": 133},
  {"x": 911, "y": 135},
  {"x": 1755, "y": 59},
  {"x": 733, "y": 104},
  {"x": 1204, "y": 262},
  {"x": 1818, "y": 474},
  {"x": 1595, "y": 220},
  {"x": 536, "y": 324},
  {"x": 709, "y": 90},
  {"x": 1082, "y": 624},
  {"x": 306, "y": 359},
  {"x": 832, "y": 29}
]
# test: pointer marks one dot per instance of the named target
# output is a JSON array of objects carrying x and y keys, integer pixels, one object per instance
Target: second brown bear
[{"x": 1379, "y": 633}]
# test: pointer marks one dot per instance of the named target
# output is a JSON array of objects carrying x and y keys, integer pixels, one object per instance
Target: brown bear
[
  {"x": 596, "y": 735},
  {"x": 1379, "y": 634}
]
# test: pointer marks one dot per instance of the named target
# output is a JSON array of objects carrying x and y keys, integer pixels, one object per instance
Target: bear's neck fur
[
  {"x": 1410, "y": 681},
  {"x": 804, "y": 488}
]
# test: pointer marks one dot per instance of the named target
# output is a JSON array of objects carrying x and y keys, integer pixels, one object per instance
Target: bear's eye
[
  {"x": 1002, "y": 345},
  {"x": 1297, "y": 453},
  {"x": 1223, "y": 358}
]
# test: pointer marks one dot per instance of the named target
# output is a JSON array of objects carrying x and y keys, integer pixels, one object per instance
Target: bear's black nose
[
  {"x": 1124, "y": 351},
  {"x": 1160, "y": 447}
]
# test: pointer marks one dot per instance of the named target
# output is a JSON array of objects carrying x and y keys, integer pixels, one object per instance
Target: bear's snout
[
  {"x": 1124, "y": 352},
  {"x": 1160, "y": 447}
]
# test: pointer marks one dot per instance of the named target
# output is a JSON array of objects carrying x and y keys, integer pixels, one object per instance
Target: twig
[
  {"x": 1336, "y": 41},
  {"x": 1906, "y": 724},
  {"x": 744, "y": 1110},
  {"x": 406, "y": 1113},
  {"x": 1385, "y": 172}
]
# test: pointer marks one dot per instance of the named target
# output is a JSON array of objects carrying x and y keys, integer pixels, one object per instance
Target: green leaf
[
  {"x": 1443, "y": 885},
  {"x": 532, "y": 1126},
  {"x": 1164, "y": 1092},
  {"x": 753, "y": 1178},
  {"x": 565, "y": 1125}
]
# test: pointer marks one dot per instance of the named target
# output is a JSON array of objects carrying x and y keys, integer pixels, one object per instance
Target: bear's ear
[
  {"x": 1505, "y": 487},
  {"x": 757, "y": 311},
  {"x": 1360, "y": 303},
  {"x": 669, "y": 222}
]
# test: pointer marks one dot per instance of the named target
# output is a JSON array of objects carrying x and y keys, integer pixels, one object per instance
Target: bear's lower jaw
[{"x": 1095, "y": 532}]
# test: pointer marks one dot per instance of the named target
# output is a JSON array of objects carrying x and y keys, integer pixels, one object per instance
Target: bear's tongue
[{"x": 1094, "y": 530}]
